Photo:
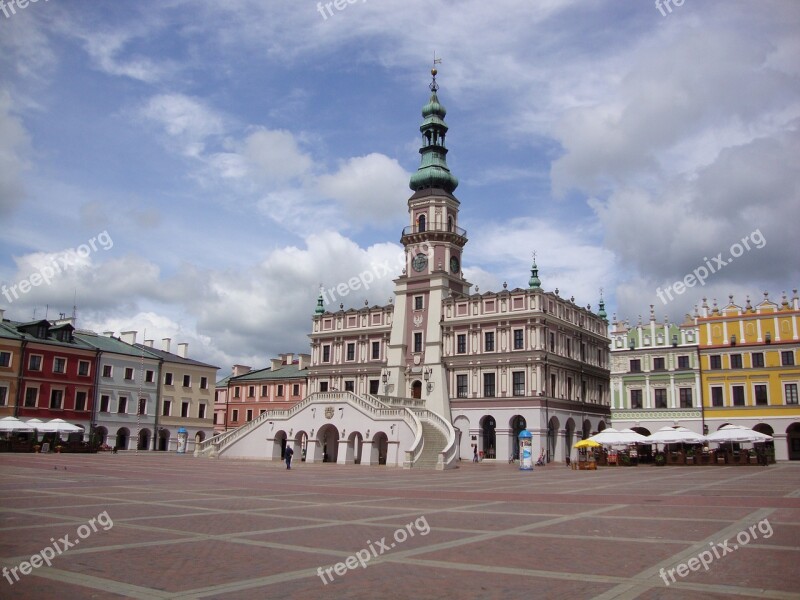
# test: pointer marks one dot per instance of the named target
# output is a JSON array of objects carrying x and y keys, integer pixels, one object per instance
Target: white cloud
[
  {"x": 275, "y": 156},
  {"x": 370, "y": 188},
  {"x": 186, "y": 120},
  {"x": 14, "y": 145}
]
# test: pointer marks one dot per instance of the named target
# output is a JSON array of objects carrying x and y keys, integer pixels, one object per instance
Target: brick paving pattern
[{"x": 198, "y": 528}]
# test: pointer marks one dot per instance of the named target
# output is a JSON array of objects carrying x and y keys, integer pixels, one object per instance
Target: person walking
[
  {"x": 475, "y": 453},
  {"x": 287, "y": 454}
]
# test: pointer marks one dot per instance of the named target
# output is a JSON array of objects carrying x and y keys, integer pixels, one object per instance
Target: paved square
[{"x": 159, "y": 525}]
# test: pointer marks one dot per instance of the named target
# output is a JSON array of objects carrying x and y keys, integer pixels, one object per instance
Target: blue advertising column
[
  {"x": 525, "y": 451},
  {"x": 183, "y": 437}
]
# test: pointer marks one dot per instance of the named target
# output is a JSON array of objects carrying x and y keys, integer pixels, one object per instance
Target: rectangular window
[
  {"x": 261, "y": 411},
  {"x": 758, "y": 360},
  {"x": 187, "y": 381},
  {"x": 59, "y": 365},
  {"x": 142, "y": 408},
  {"x": 295, "y": 389},
  {"x": 326, "y": 353},
  {"x": 552, "y": 342},
  {"x": 685, "y": 395},
  {"x": 35, "y": 362},
  {"x": 636, "y": 365},
  {"x": 237, "y": 393},
  {"x": 204, "y": 383},
  {"x": 351, "y": 351},
  {"x": 518, "y": 383},
  {"x": 80, "y": 400},
  {"x": 3, "y": 396},
  {"x": 374, "y": 386},
  {"x": 636, "y": 398},
  {"x": 418, "y": 303},
  {"x": 787, "y": 358},
  {"x": 736, "y": 361},
  {"x": 184, "y": 409},
  {"x": 661, "y": 397},
  {"x": 376, "y": 350},
  {"x": 716, "y": 397},
  {"x": 417, "y": 341},
  {"x": 129, "y": 373},
  {"x": 235, "y": 415},
  {"x": 56, "y": 398},
  {"x": 488, "y": 385},
  {"x": 761, "y": 394},
  {"x": 280, "y": 390},
  {"x": 31, "y": 397},
  {"x": 323, "y": 386},
  {"x": 251, "y": 391},
  {"x": 122, "y": 407},
  {"x": 552, "y": 385},
  {"x": 716, "y": 361},
  {"x": 569, "y": 347},
  {"x": 790, "y": 390},
  {"x": 737, "y": 392},
  {"x": 104, "y": 401},
  {"x": 349, "y": 386},
  {"x": 488, "y": 344},
  {"x": 167, "y": 378},
  {"x": 166, "y": 409},
  {"x": 263, "y": 391},
  {"x": 107, "y": 371},
  {"x": 683, "y": 362},
  {"x": 462, "y": 343},
  {"x": 249, "y": 415},
  {"x": 83, "y": 368},
  {"x": 658, "y": 364},
  {"x": 149, "y": 376},
  {"x": 461, "y": 386},
  {"x": 519, "y": 344},
  {"x": 5, "y": 359}
]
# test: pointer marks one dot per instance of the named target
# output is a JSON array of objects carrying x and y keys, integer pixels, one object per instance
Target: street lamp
[
  {"x": 385, "y": 379},
  {"x": 426, "y": 374}
]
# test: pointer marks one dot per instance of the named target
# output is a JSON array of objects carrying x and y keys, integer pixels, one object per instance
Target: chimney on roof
[
  {"x": 64, "y": 321},
  {"x": 108, "y": 333},
  {"x": 241, "y": 370},
  {"x": 129, "y": 337},
  {"x": 165, "y": 344},
  {"x": 148, "y": 343},
  {"x": 2, "y": 313},
  {"x": 275, "y": 363},
  {"x": 183, "y": 349},
  {"x": 304, "y": 360},
  {"x": 288, "y": 358}
]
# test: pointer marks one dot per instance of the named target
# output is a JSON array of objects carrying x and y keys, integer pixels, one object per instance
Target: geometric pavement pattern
[{"x": 174, "y": 526}]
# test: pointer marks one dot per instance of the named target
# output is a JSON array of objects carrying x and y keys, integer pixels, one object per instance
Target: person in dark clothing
[{"x": 288, "y": 456}]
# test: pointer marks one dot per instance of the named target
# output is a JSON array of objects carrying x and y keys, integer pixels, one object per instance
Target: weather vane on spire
[{"x": 436, "y": 61}]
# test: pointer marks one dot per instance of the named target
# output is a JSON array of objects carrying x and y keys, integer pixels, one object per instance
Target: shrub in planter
[{"x": 660, "y": 460}]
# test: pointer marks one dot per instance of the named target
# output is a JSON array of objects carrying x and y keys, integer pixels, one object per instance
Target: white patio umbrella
[
  {"x": 675, "y": 435},
  {"x": 613, "y": 437},
  {"x": 738, "y": 433},
  {"x": 14, "y": 424},
  {"x": 61, "y": 426},
  {"x": 36, "y": 424}
]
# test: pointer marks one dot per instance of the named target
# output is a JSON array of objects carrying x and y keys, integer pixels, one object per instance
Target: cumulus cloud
[
  {"x": 14, "y": 146},
  {"x": 187, "y": 121}
]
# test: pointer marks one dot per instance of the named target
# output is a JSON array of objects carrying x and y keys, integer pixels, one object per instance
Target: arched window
[
  {"x": 449, "y": 223},
  {"x": 421, "y": 223}
]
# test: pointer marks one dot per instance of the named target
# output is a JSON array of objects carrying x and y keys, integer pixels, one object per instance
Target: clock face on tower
[
  {"x": 420, "y": 262},
  {"x": 454, "y": 264}
]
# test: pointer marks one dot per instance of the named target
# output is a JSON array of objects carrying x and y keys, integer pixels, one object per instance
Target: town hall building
[{"x": 443, "y": 372}]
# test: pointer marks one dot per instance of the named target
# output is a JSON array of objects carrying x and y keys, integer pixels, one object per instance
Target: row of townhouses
[{"x": 124, "y": 394}]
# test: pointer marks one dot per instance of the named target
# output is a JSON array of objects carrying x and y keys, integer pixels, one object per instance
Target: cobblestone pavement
[{"x": 154, "y": 526}]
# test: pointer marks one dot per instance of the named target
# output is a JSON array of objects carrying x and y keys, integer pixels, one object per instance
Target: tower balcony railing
[{"x": 412, "y": 229}]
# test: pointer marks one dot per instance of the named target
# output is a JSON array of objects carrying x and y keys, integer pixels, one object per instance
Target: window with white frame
[
  {"x": 59, "y": 365},
  {"x": 790, "y": 392}
]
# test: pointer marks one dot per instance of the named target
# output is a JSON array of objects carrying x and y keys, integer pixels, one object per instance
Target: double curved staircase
[{"x": 435, "y": 443}]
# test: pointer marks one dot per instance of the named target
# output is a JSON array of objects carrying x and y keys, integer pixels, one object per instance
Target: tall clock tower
[{"x": 433, "y": 244}]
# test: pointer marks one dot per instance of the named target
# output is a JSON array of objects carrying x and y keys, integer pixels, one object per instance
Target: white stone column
[{"x": 503, "y": 443}]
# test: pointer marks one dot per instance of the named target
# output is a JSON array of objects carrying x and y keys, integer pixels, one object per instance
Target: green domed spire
[
  {"x": 433, "y": 171},
  {"x": 534, "y": 281},
  {"x": 320, "y": 305},
  {"x": 602, "y": 311}
]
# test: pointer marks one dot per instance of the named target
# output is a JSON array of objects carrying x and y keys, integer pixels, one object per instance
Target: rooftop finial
[
  {"x": 434, "y": 72},
  {"x": 534, "y": 283}
]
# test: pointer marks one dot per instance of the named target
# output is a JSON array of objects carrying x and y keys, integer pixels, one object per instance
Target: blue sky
[{"x": 239, "y": 153}]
